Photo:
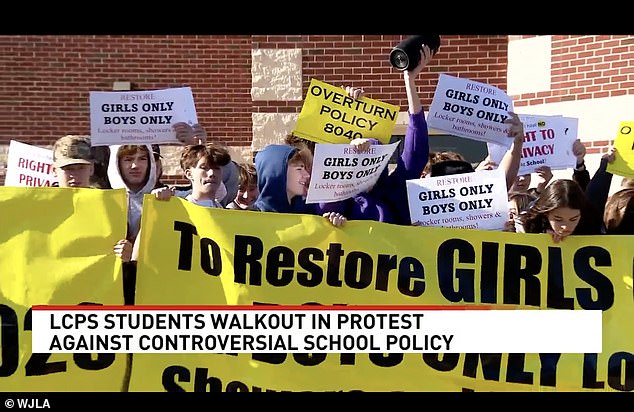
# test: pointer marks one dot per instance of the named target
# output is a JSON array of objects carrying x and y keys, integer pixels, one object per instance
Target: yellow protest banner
[
  {"x": 329, "y": 115},
  {"x": 192, "y": 255},
  {"x": 56, "y": 248},
  {"x": 623, "y": 164}
]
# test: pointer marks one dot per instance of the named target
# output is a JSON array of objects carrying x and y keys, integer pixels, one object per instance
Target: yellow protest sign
[
  {"x": 329, "y": 115},
  {"x": 56, "y": 248},
  {"x": 623, "y": 164},
  {"x": 192, "y": 255}
]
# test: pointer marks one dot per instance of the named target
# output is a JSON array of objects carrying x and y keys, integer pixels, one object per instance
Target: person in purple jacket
[{"x": 387, "y": 201}]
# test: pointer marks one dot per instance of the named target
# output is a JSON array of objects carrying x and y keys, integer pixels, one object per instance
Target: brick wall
[
  {"x": 45, "y": 80},
  {"x": 362, "y": 61},
  {"x": 587, "y": 67}
]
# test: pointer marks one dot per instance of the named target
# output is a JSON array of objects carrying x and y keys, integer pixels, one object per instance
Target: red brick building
[{"x": 248, "y": 89}]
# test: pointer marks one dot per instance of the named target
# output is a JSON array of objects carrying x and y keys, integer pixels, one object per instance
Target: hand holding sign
[
  {"x": 623, "y": 164},
  {"x": 190, "y": 135},
  {"x": 516, "y": 129},
  {"x": 579, "y": 150},
  {"x": 354, "y": 92},
  {"x": 336, "y": 219},
  {"x": 544, "y": 175},
  {"x": 610, "y": 156},
  {"x": 361, "y": 145},
  {"x": 486, "y": 164}
]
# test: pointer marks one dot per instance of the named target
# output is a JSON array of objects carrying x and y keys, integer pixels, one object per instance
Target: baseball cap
[{"x": 72, "y": 149}]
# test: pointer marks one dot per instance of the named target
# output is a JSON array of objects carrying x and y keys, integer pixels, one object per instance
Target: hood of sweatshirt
[
  {"x": 271, "y": 164},
  {"x": 135, "y": 199}
]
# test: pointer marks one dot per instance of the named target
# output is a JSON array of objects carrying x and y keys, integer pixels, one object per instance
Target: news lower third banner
[
  {"x": 199, "y": 256},
  {"x": 328, "y": 329}
]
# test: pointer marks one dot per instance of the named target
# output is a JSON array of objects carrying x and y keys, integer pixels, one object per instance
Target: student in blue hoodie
[
  {"x": 283, "y": 180},
  {"x": 387, "y": 200}
]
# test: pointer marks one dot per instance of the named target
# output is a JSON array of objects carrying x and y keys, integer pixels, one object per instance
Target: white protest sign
[
  {"x": 29, "y": 165},
  {"x": 143, "y": 117},
  {"x": 548, "y": 142},
  {"x": 340, "y": 171},
  {"x": 470, "y": 109},
  {"x": 476, "y": 200}
]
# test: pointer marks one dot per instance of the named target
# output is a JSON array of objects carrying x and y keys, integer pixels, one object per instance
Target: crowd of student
[{"x": 278, "y": 181}]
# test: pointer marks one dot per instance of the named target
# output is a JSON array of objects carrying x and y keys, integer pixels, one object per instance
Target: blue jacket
[{"x": 271, "y": 164}]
